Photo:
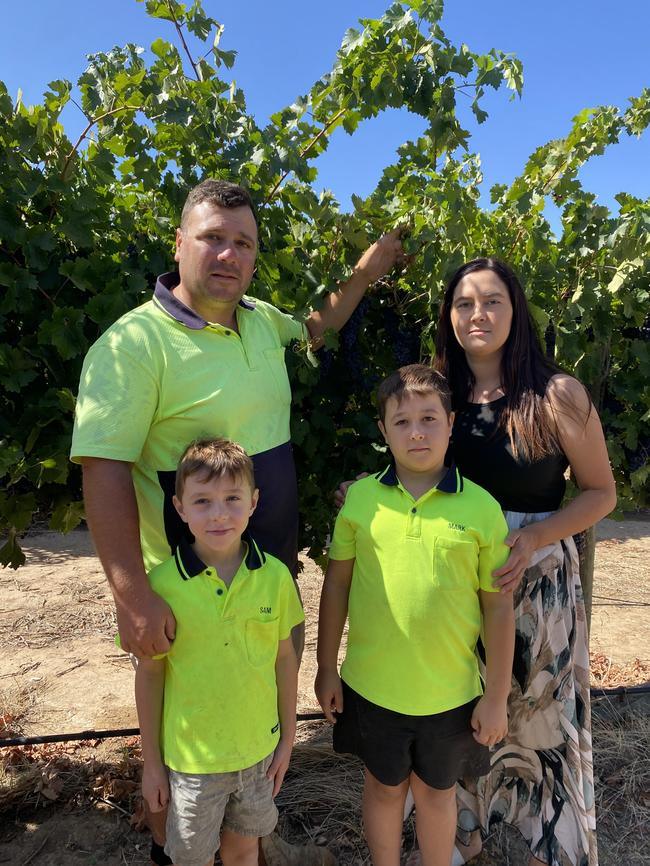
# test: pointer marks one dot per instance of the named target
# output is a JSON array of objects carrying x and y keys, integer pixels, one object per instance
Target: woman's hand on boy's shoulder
[
  {"x": 329, "y": 693},
  {"x": 490, "y": 720},
  {"x": 342, "y": 490}
]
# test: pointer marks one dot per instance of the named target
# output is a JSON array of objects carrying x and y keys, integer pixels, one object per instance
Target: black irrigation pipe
[
  {"x": 104, "y": 735},
  {"x": 619, "y": 691}
]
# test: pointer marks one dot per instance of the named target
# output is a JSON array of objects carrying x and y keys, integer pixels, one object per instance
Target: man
[
  {"x": 199, "y": 359},
  {"x": 148, "y": 387}
]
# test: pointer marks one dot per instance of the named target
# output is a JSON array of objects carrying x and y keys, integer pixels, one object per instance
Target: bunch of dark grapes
[
  {"x": 611, "y": 404},
  {"x": 633, "y": 333},
  {"x": 349, "y": 343},
  {"x": 407, "y": 346},
  {"x": 391, "y": 324},
  {"x": 404, "y": 338},
  {"x": 325, "y": 358},
  {"x": 641, "y": 457},
  {"x": 549, "y": 341}
]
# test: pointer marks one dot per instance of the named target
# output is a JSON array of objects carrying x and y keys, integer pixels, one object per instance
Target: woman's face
[{"x": 481, "y": 313}]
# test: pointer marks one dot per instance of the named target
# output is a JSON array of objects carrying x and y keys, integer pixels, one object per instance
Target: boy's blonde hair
[
  {"x": 413, "y": 379},
  {"x": 213, "y": 458}
]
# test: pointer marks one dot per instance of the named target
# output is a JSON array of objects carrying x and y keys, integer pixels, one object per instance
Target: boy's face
[
  {"x": 417, "y": 431},
  {"x": 216, "y": 511}
]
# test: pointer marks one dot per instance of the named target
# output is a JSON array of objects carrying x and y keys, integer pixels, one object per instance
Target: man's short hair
[
  {"x": 220, "y": 193},
  {"x": 413, "y": 379},
  {"x": 214, "y": 458}
]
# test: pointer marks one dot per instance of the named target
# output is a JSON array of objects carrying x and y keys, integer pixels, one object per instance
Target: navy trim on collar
[
  {"x": 388, "y": 476},
  {"x": 451, "y": 481},
  {"x": 189, "y": 564},
  {"x": 255, "y": 557},
  {"x": 177, "y": 309}
]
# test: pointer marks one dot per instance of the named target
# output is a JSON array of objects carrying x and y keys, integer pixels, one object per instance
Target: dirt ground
[{"x": 61, "y": 672}]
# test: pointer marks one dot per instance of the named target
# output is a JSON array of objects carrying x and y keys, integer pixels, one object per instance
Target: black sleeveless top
[{"x": 481, "y": 449}]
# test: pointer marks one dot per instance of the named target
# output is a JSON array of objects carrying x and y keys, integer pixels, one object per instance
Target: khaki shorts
[{"x": 201, "y": 805}]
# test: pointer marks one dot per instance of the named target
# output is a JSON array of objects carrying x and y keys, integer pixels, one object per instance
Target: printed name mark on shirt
[
  {"x": 457, "y": 526},
  {"x": 265, "y": 610}
]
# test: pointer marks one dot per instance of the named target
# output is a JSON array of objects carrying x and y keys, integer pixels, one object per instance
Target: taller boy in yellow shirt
[{"x": 411, "y": 565}]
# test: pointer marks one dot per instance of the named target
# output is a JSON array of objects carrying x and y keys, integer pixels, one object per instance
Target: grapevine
[{"x": 85, "y": 228}]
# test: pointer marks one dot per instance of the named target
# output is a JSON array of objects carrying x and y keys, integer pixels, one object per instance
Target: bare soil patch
[
  {"x": 78, "y": 804},
  {"x": 620, "y": 619}
]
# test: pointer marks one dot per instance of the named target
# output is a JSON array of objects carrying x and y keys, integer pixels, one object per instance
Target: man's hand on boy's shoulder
[
  {"x": 490, "y": 720},
  {"x": 329, "y": 693},
  {"x": 147, "y": 627},
  {"x": 280, "y": 763}
]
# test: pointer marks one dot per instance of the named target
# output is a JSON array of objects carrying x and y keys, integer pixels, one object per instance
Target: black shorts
[{"x": 439, "y": 749}]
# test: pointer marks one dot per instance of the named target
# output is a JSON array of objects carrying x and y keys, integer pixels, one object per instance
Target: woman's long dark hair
[{"x": 525, "y": 370}]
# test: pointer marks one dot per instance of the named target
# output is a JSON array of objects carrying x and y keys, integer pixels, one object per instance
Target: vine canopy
[{"x": 86, "y": 225}]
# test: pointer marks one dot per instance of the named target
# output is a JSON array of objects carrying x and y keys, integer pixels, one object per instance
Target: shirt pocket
[
  {"x": 261, "y": 641},
  {"x": 455, "y": 564},
  {"x": 275, "y": 363}
]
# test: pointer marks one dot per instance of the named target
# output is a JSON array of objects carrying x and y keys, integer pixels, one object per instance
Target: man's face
[{"x": 215, "y": 251}]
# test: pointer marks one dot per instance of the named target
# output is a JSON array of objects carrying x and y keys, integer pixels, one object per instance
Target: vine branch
[
  {"x": 22, "y": 264},
  {"x": 426, "y": 41},
  {"x": 74, "y": 102},
  {"x": 13, "y": 256},
  {"x": 90, "y": 125},
  {"x": 46, "y": 296},
  {"x": 179, "y": 30},
  {"x": 305, "y": 151},
  {"x": 544, "y": 191}
]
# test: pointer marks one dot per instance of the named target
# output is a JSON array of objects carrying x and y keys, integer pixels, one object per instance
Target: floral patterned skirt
[{"x": 541, "y": 777}]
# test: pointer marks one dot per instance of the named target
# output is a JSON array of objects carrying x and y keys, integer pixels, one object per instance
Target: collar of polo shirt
[
  {"x": 451, "y": 481},
  {"x": 189, "y": 564},
  {"x": 164, "y": 295}
]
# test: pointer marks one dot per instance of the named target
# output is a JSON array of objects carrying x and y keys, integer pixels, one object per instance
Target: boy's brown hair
[
  {"x": 213, "y": 458},
  {"x": 413, "y": 379}
]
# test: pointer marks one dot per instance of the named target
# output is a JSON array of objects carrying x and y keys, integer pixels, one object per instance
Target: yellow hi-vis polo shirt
[
  {"x": 162, "y": 376},
  {"x": 220, "y": 710},
  {"x": 414, "y": 613}
]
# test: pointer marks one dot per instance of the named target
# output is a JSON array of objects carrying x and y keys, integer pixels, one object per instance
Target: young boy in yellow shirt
[
  {"x": 410, "y": 567},
  {"x": 218, "y": 712}
]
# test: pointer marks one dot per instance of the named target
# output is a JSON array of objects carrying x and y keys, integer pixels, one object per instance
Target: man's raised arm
[
  {"x": 145, "y": 622},
  {"x": 339, "y": 305}
]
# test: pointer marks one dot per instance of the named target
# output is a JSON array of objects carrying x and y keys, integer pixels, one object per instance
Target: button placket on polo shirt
[
  {"x": 229, "y": 334},
  {"x": 413, "y": 522},
  {"x": 414, "y": 514},
  {"x": 219, "y": 592},
  {"x": 242, "y": 324}
]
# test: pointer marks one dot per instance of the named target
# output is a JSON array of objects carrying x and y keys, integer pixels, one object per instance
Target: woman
[{"x": 520, "y": 422}]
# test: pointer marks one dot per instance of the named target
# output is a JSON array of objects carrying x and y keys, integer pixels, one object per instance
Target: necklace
[{"x": 484, "y": 396}]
